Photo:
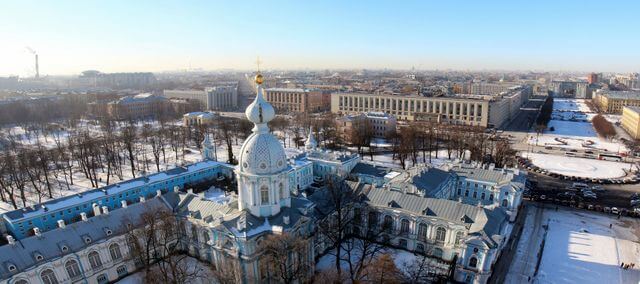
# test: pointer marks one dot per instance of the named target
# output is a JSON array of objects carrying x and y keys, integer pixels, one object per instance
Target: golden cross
[{"x": 258, "y": 63}]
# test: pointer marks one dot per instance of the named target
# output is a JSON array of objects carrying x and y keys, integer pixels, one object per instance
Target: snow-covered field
[
  {"x": 571, "y": 121},
  {"x": 579, "y": 167},
  {"x": 581, "y": 248}
]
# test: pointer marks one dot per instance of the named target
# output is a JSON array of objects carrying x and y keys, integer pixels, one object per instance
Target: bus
[{"x": 610, "y": 157}]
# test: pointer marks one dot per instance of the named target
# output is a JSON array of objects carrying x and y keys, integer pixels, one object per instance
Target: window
[
  {"x": 122, "y": 271},
  {"x": 466, "y": 193},
  {"x": 102, "y": 278},
  {"x": 388, "y": 223},
  {"x": 473, "y": 262},
  {"x": 194, "y": 234},
  {"x": 459, "y": 191},
  {"x": 437, "y": 252},
  {"x": 475, "y": 194},
  {"x": 281, "y": 186},
  {"x": 420, "y": 248},
  {"x": 403, "y": 243},
  {"x": 441, "y": 233},
  {"x": 373, "y": 219},
  {"x": 404, "y": 226},
  {"x": 73, "y": 269},
  {"x": 422, "y": 232},
  {"x": 21, "y": 281},
  {"x": 491, "y": 197},
  {"x": 482, "y": 196},
  {"x": 205, "y": 236},
  {"x": 48, "y": 277},
  {"x": 94, "y": 260},
  {"x": 505, "y": 203},
  {"x": 114, "y": 250},
  {"x": 459, "y": 236},
  {"x": 264, "y": 195}
]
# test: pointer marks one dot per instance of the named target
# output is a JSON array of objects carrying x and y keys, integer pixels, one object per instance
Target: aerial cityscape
[{"x": 324, "y": 142}]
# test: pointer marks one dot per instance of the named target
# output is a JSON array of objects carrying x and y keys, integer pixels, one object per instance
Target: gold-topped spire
[{"x": 259, "y": 79}]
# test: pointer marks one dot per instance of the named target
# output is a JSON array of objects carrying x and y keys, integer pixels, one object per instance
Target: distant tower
[
  {"x": 37, "y": 68},
  {"x": 208, "y": 150}
]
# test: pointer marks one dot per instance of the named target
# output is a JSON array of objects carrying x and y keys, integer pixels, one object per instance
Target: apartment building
[
  {"x": 298, "y": 100},
  {"x": 631, "y": 121},
  {"x": 222, "y": 97},
  {"x": 381, "y": 124},
  {"x": 614, "y": 101}
]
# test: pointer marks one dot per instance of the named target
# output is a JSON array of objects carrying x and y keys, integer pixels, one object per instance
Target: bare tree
[{"x": 286, "y": 258}]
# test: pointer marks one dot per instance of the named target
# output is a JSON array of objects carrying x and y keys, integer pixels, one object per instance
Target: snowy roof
[
  {"x": 495, "y": 175},
  {"x": 289, "y": 90},
  {"x": 371, "y": 170},
  {"x": 487, "y": 221},
  {"x": 49, "y": 244},
  {"x": 89, "y": 195},
  {"x": 425, "y": 178}
]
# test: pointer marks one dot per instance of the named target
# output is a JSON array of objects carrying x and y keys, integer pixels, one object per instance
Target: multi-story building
[
  {"x": 298, "y": 100},
  {"x": 138, "y": 106},
  {"x": 137, "y": 80},
  {"x": 632, "y": 80},
  {"x": 593, "y": 78},
  {"x": 483, "y": 88},
  {"x": 380, "y": 124},
  {"x": 475, "y": 110},
  {"x": 220, "y": 98},
  {"x": 631, "y": 121},
  {"x": 574, "y": 89},
  {"x": 614, "y": 101}
]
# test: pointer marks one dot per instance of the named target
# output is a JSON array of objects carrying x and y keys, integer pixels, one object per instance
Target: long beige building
[
  {"x": 295, "y": 100},
  {"x": 614, "y": 101},
  {"x": 475, "y": 110},
  {"x": 631, "y": 121}
]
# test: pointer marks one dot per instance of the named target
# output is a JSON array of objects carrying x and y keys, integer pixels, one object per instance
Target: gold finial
[{"x": 259, "y": 78}]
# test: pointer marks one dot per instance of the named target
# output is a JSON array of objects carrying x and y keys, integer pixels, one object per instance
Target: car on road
[{"x": 614, "y": 210}]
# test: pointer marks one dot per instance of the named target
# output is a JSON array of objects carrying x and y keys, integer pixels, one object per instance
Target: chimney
[
  {"x": 37, "y": 68},
  {"x": 158, "y": 192},
  {"x": 96, "y": 210},
  {"x": 124, "y": 203},
  {"x": 10, "y": 239},
  {"x": 83, "y": 216},
  {"x": 285, "y": 219},
  {"x": 36, "y": 231},
  {"x": 142, "y": 199},
  {"x": 61, "y": 224},
  {"x": 105, "y": 210}
]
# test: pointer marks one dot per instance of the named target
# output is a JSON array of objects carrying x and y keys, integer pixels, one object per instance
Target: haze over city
[
  {"x": 125, "y": 36},
  {"x": 250, "y": 142}
]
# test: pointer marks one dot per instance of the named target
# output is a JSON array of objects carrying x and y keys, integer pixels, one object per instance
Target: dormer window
[
  {"x": 107, "y": 231},
  {"x": 64, "y": 248},
  {"x": 11, "y": 267},
  {"x": 87, "y": 239},
  {"x": 39, "y": 257}
]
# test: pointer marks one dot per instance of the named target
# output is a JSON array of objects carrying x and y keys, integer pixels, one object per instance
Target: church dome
[{"x": 262, "y": 154}]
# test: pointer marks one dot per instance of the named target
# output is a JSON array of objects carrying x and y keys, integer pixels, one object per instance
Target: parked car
[
  {"x": 615, "y": 210},
  {"x": 607, "y": 210}
]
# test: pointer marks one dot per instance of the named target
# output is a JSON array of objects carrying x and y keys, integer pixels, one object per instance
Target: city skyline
[{"x": 71, "y": 37}]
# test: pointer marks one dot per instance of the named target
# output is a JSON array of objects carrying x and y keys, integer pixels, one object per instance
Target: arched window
[
  {"x": 491, "y": 197},
  {"x": 404, "y": 226},
  {"x": 459, "y": 191},
  {"x": 48, "y": 277},
  {"x": 422, "y": 232},
  {"x": 114, "y": 251},
  {"x": 264, "y": 195},
  {"x": 94, "y": 260},
  {"x": 441, "y": 233},
  {"x": 403, "y": 243},
  {"x": 473, "y": 262},
  {"x": 466, "y": 193},
  {"x": 21, "y": 281},
  {"x": 420, "y": 248},
  {"x": 475, "y": 194},
  {"x": 482, "y": 196},
  {"x": 73, "y": 269},
  {"x": 388, "y": 223},
  {"x": 505, "y": 203}
]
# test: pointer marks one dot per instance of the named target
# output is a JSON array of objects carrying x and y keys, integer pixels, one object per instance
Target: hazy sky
[{"x": 72, "y": 36}]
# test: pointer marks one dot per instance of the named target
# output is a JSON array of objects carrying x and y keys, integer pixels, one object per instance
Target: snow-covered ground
[
  {"x": 571, "y": 121},
  {"x": 579, "y": 167},
  {"x": 401, "y": 258},
  {"x": 579, "y": 248},
  {"x": 200, "y": 271}
]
